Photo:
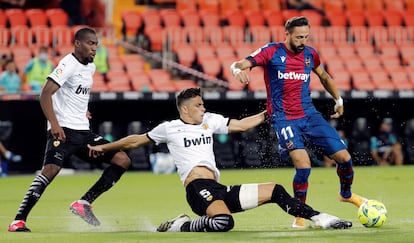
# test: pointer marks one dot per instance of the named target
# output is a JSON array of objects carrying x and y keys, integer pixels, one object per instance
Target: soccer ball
[{"x": 372, "y": 213}]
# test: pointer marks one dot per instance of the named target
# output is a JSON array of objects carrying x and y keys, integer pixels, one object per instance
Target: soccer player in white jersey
[
  {"x": 190, "y": 141},
  {"x": 64, "y": 101}
]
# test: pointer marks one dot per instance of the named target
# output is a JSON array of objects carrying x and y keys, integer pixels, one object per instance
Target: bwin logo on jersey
[
  {"x": 292, "y": 75},
  {"x": 197, "y": 141},
  {"x": 82, "y": 90}
]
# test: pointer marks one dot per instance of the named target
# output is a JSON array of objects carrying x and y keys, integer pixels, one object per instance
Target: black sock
[
  {"x": 109, "y": 177},
  {"x": 36, "y": 190},
  {"x": 292, "y": 206}
]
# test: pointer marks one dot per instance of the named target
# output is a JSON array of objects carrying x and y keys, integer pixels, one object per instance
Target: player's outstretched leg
[
  {"x": 327, "y": 221},
  {"x": 83, "y": 209},
  {"x": 174, "y": 225},
  {"x": 355, "y": 199}
]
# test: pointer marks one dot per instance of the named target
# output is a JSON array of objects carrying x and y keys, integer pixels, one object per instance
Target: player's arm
[
  {"x": 237, "y": 70},
  {"x": 329, "y": 85},
  {"x": 47, "y": 106},
  {"x": 246, "y": 123},
  {"x": 126, "y": 143}
]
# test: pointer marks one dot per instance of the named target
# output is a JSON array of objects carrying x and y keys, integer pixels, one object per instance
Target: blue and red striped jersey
[{"x": 287, "y": 77}]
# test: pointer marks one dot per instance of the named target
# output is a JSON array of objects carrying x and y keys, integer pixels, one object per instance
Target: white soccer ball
[{"x": 372, "y": 213}]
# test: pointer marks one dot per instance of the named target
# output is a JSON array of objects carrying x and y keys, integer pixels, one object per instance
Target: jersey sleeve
[
  {"x": 159, "y": 133},
  {"x": 263, "y": 55},
  {"x": 219, "y": 124},
  {"x": 316, "y": 58},
  {"x": 62, "y": 71}
]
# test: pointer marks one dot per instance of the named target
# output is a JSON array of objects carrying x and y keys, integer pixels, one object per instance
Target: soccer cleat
[
  {"x": 326, "y": 221},
  {"x": 355, "y": 199},
  {"x": 174, "y": 225},
  {"x": 18, "y": 226},
  {"x": 84, "y": 210},
  {"x": 299, "y": 223}
]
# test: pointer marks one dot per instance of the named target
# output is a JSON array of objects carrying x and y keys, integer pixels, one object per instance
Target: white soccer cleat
[
  {"x": 326, "y": 221},
  {"x": 174, "y": 225}
]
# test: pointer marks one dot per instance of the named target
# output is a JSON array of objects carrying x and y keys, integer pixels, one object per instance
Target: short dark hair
[
  {"x": 295, "y": 22},
  {"x": 187, "y": 94},
  {"x": 81, "y": 33}
]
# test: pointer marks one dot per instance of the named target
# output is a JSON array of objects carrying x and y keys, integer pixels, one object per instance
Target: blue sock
[{"x": 300, "y": 183}]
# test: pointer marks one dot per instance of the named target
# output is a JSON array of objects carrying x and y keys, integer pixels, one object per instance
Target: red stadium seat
[
  {"x": 362, "y": 80},
  {"x": 16, "y": 17},
  {"x": 208, "y": 5},
  {"x": 234, "y": 34},
  {"x": 244, "y": 49},
  {"x": 274, "y": 5},
  {"x": 333, "y": 5},
  {"x": 394, "y": 5},
  {"x": 140, "y": 81},
  {"x": 176, "y": 35},
  {"x": 250, "y": 5},
  {"x": 346, "y": 51},
  {"x": 204, "y": 51},
  {"x": 62, "y": 35},
  {"x": 119, "y": 83},
  {"x": 57, "y": 17},
  {"x": 3, "y": 19},
  {"x": 184, "y": 84},
  {"x": 227, "y": 6},
  {"x": 37, "y": 17},
  {"x": 156, "y": 37},
  {"x": 256, "y": 80},
  {"x": 224, "y": 50},
  {"x": 185, "y": 53},
  {"x": 4, "y": 36},
  {"x": 210, "y": 18},
  {"x": 314, "y": 17},
  {"x": 21, "y": 35},
  {"x": 43, "y": 35},
  {"x": 190, "y": 18},
  {"x": 374, "y": 17},
  {"x": 151, "y": 17},
  {"x": 274, "y": 18},
  {"x": 342, "y": 80},
  {"x": 408, "y": 18},
  {"x": 214, "y": 34},
  {"x": 353, "y": 64},
  {"x": 133, "y": 62},
  {"x": 132, "y": 22},
  {"x": 289, "y": 13},
  {"x": 360, "y": 35},
  {"x": 336, "y": 18},
  {"x": 195, "y": 34},
  {"x": 185, "y": 4},
  {"x": 354, "y": 5},
  {"x": 356, "y": 17},
  {"x": 393, "y": 18},
  {"x": 255, "y": 18},
  {"x": 170, "y": 17},
  {"x": 373, "y": 5},
  {"x": 260, "y": 35},
  {"x": 210, "y": 66},
  {"x": 236, "y": 18}
]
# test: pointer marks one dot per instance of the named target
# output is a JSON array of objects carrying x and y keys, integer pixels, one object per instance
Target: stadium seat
[
  {"x": 408, "y": 17},
  {"x": 388, "y": 50},
  {"x": 315, "y": 84},
  {"x": 346, "y": 51},
  {"x": 62, "y": 35},
  {"x": 4, "y": 36},
  {"x": 37, "y": 17},
  {"x": 255, "y": 18},
  {"x": 381, "y": 80},
  {"x": 176, "y": 35},
  {"x": 328, "y": 51},
  {"x": 336, "y": 18},
  {"x": 250, "y": 5},
  {"x": 336, "y": 35},
  {"x": 181, "y": 84},
  {"x": 409, "y": 4},
  {"x": 210, "y": 18},
  {"x": 43, "y": 35},
  {"x": 334, "y": 65},
  {"x": 333, "y": 5},
  {"x": 21, "y": 35},
  {"x": 289, "y": 13},
  {"x": 314, "y": 17},
  {"x": 393, "y": 18},
  {"x": 195, "y": 34},
  {"x": 278, "y": 33},
  {"x": 170, "y": 17},
  {"x": 401, "y": 80},
  {"x": 16, "y": 17},
  {"x": 190, "y": 18},
  {"x": 119, "y": 83},
  {"x": 208, "y": 5},
  {"x": 116, "y": 64},
  {"x": 392, "y": 5},
  {"x": 353, "y": 64},
  {"x": 227, "y": 6},
  {"x": 156, "y": 37},
  {"x": 356, "y": 17},
  {"x": 354, "y": 5},
  {"x": 204, "y": 51},
  {"x": 274, "y": 5},
  {"x": 185, "y": 53},
  {"x": 224, "y": 50},
  {"x": 3, "y": 19},
  {"x": 132, "y": 22},
  {"x": 360, "y": 35},
  {"x": 318, "y": 35},
  {"x": 361, "y": 80},
  {"x": 273, "y": 18},
  {"x": 236, "y": 18},
  {"x": 256, "y": 79},
  {"x": 210, "y": 66},
  {"x": 57, "y": 17},
  {"x": 260, "y": 35},
  {"x": 371, "y": 63},
  {"x": 342, "y": 80},
  {"x": 151, "y": 17},
  {"x": 140, "y": 81},
  {"x": 234, "y": 34},
  {"x": 373, "y": 5},
  {"x": 133, "y": 62},
  {"x": 214, "y": 34},
  {"x": 244, "y": 49},
  {"x": 185, "y": 5},
  {"x": 64, "y": 49},
  {"x": 374, "y": 18}
]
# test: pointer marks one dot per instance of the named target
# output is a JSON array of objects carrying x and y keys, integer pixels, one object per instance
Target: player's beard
[{"x": 297, "y": 49}]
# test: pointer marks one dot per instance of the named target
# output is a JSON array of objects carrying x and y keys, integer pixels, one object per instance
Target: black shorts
[
  {"x": 202, "y": 192},
  {"x": 58, "y": 152}
]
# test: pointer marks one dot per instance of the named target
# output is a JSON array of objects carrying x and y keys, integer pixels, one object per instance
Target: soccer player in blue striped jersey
[{"x": 287, "y": 70}]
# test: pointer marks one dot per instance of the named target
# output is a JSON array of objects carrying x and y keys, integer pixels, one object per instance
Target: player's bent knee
[
  {"x": 249, "y": 196},
  {"x": 221, "y": 223},
  {"x": 121, "y": 159}
]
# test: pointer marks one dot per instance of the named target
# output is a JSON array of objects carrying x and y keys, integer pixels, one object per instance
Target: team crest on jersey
[
  {"x": 58, "y": 72},
  {"x": 307, "y": 61},
  {"x": 204, "y": 126},
  {"x": 289, "y": 145},
  {"x": 56, "y": 143}
]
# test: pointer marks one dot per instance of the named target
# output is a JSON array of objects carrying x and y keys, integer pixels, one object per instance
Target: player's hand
[
  {"x": 88, "y": 115},
  {"x": 239, "y": 74},
  {"x": 57, "y": 132},
  {"x": 95, "y": 151},
  {"x": 339, "y": 111}
]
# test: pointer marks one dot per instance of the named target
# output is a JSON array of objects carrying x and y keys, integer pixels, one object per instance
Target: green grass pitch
[{"x": 140, "y": 201}]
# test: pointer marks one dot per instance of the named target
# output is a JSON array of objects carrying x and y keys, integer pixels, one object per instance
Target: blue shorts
[{"x": 312, "y": 131}]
